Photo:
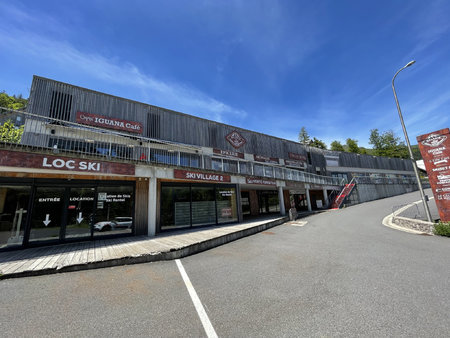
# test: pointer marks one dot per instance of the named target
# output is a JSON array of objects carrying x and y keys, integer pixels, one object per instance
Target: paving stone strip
[{"x": 125, "y": 250}]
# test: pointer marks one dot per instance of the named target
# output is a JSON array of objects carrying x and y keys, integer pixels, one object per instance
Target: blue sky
[{"x": 269, "y": 66}]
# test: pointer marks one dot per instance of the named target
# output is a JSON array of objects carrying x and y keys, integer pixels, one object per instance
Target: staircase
[{"x": 346, "y": 191}]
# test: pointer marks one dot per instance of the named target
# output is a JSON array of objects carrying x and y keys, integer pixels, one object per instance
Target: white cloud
[{"x": 45, "y": 49}]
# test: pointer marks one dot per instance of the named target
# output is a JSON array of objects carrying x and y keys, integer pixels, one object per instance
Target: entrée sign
[
  {"x": 109, "y": 122},
  {"x": 435, "y": 150},
  {"x": 199, "y": 176},
  {"x": 27, "y": 160},
  {"x": 266, "y": 159}
]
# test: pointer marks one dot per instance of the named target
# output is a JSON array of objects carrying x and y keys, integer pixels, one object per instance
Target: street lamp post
[{"x": 424, "y": 200}]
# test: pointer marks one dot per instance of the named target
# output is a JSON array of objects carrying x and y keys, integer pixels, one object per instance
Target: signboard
[
  {"x": 266, "y": 159},
  {"x": 261, "y": 181},
  {"x": 298, "y": 157},
  {"x": 435, "y": 150},
  {"x": 236, "y": 139},
  {"x": 109, "y": 122},
  {"x": 28, "y": 160},
  {"x": 199, "y": 176},
  {"x": 229, "y": 153},
  {"x": 295, "y": 164}
]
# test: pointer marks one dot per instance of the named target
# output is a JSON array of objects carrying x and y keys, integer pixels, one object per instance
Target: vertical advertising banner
[{"x": 435, "y": 150}]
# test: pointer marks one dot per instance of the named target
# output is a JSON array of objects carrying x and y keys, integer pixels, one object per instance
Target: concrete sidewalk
[{"x": 125, "y": 250}]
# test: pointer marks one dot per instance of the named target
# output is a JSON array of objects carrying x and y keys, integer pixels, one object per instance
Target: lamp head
[{"x": 410, "y": 63}]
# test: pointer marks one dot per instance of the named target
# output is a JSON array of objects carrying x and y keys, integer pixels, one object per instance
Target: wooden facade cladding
[
  {"x": 60, "y": 100},
  {"x": 141, "y": 207}
]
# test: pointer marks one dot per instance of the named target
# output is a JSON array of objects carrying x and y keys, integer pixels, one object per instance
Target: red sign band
[{"x": 109, "y": 122}]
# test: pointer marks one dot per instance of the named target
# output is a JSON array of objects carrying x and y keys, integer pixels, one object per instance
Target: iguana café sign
[{"x": 435, "y": 150}]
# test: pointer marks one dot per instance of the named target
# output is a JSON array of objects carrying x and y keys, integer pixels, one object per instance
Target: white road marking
[{"x": 210, "y": 332}]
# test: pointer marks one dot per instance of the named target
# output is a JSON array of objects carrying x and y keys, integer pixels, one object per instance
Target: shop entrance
[
  {"x": 38, "y": 212},
  {"x": 61, "y": 213}
]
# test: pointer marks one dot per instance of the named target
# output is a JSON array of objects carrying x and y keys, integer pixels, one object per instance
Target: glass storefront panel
[
  {"x": 175, "y": 207},
  {"x": 80, "y": 212},
  {"x": 114, "y": 214},
  {"x": 47, "y": 216},
  {"x": 203, "y": 205},
  {"x": 268, "y": 202},
  {"x": 13, "y": 214},
  {"x": 226, "y": 205}
]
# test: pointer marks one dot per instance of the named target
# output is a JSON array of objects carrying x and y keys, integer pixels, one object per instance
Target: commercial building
[{"x": 90, "y": 165}]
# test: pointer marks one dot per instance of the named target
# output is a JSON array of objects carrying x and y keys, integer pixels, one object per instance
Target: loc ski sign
[{"x": 435, "y": 150}]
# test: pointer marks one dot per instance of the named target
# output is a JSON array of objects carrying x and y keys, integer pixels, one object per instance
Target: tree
[
  {"x": 303, "y": 136},
  {"x": 317, "y": 143},
  {"x": 387, "y": 144},
  {"x": 336, "y": 146},
  {"x": 9, "y": 133},
  {"x": 352, "y": 146},
  {"x": 12, "y": 102}
]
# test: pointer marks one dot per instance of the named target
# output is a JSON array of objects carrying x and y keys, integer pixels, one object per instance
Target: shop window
[
  {"x": 175, "y": 207},
  {"x": 48, "y": 209},
  {"x": 278, "y": 173},
  {"x": 268, "y": 202},
  {"x": 80, "y": 212},
  {"x": 14, "y": 210},
  {"x": 203, "y": 205},
  {"x": 216, "y": 164},
  {"x": 230, "y": 166},
  {"x": 187, "y": 205},
  {"x": 258, "y": 170},
  {"x": 268, "y": 171},
  {"x": 114, "y": 214},
  {"x": 245, "y": 168},
  {"x": 189, "y": 160},
  {"x": 164, "y": 156},
  {"x": 226, "y": 205}
]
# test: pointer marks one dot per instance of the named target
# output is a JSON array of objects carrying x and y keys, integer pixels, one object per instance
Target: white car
[{"x": 116, "y": 223}]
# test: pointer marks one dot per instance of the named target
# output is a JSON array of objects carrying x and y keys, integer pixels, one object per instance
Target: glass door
[
  {"x": 80, "y": 211},
  {"x": 48, "y": 212}
]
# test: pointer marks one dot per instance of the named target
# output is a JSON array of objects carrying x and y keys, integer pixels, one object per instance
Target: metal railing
[
  {"x": 40, "y": 133},
  {"x": 384, "y": 180}
]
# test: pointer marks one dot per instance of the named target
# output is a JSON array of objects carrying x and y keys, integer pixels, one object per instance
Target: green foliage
[
  {"x": 317, "y": 143},
  {"x": 303, "y": 136},
  {"x": 387, "y": 144},
  {"x": 12, "y": 102},
  {"x": 442, "y": 229},
  {"x": 352, "y": 145},
  {"x": 336, "y": 146},
  {"x": 9, "y": 133}
]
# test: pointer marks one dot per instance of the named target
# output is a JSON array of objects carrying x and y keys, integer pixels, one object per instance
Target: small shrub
[{"x": 442, "y": 229}]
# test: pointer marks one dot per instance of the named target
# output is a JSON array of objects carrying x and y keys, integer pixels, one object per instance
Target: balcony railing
[{"x": 41, "y": 133}]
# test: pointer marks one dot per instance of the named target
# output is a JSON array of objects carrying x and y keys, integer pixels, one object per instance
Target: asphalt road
[{"x": 342, "y": 274}]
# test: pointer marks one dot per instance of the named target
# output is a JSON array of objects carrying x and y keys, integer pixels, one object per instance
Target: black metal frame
[
  {"x": 190, "y": 185},
  {"x": 34, "y": 183}
]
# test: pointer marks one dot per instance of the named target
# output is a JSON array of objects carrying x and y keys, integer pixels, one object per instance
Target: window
[
  {"x": 258, "y": 170},
  {"x": 114, "y": 213},
  {"x": 60, "y": 106},
  {"x": 14, "y": 209}
]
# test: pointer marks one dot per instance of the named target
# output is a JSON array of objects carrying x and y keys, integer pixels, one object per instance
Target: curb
[
  {"x": 153, "y": 256},
  {"x": 388, "y": 222}
]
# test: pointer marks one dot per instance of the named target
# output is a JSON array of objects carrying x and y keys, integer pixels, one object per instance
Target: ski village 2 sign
[{"x": 435, "y": 150}]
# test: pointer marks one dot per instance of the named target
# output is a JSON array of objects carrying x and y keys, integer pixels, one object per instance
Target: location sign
[{"x": 435, "y": 150}]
